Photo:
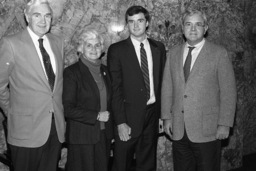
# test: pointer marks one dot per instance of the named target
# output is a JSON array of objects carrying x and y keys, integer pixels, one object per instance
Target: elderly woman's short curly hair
[{"x": 86, "y": 35}]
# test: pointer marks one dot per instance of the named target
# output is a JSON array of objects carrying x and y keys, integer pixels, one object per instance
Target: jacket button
[
  {"x": 182, "y": 111},
  {"x": 185, "y": 96}
]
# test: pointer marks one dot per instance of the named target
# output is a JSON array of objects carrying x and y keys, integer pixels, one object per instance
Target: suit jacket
[
  {"x": 129, "y": 91},
  {"x": 81, "y": 100},
  {"x": 206, "y": 100},
  {"x": 29, "y": 101}
]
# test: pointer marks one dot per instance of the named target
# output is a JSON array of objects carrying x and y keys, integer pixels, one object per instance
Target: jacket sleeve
[
  {"x": 115, "y": 68},
  {"x": 6, "y": 65},
  {"x": 228, "y": 93},
  {"x": 166, "y": 92}
]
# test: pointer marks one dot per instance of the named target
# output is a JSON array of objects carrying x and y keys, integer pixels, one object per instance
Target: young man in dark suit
[{"x": 136, "y": 66}]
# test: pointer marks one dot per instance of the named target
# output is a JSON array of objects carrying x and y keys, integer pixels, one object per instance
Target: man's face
[
  {"x": 39, "y": 19},
  {"x": 137, "y": 25},
  {"x": 194, "y": 29}
]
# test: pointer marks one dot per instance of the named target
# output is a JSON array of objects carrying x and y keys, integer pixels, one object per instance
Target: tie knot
[
  {"x": 40, "y": 41},
  {"x": 191, "y": 48},
  {"x": 141, "y": 45}
]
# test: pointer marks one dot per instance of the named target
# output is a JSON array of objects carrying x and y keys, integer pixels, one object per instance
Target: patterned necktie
[
  {"x": 187, "y": 64},
  {"x": 47, "y": 64},
  {"x": 144, "y": 68}
]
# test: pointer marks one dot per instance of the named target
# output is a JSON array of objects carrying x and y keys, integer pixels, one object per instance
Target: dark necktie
[
  {"x": 187, "y": 64},
  {"x": 47, "y": 64},
  {"x": 144, "y": 68}
]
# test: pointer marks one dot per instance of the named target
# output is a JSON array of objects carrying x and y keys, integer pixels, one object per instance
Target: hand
[
  {"x": 222, "y": 132},
  {"x": 103, "y": 116},
  {"x": 167, "y": 124},
  {"x": 124, "y": 132}
]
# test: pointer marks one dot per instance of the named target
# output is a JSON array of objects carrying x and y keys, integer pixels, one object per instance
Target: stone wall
[
  {"x": 232, "y": 24},
  {"x": 249, "y": 82}
]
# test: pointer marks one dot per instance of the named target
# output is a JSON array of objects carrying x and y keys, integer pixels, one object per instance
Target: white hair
[
  {"x": 33, "y": 3},
  {"x": 86, "y": 35}
]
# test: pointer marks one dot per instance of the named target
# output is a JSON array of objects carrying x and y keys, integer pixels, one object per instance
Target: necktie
[
  {"x": 47, "y": 64},
  {"x": 144, "y": 68},
  {"x": 187, "y": 64}
]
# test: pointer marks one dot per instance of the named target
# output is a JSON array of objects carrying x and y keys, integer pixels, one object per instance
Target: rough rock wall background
[{"x": 232, "y": 24}]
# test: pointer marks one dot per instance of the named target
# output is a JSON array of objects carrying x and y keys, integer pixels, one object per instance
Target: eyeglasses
[
  {"x": 197, "y": 25},
  {"x": 91, "y": 46}
]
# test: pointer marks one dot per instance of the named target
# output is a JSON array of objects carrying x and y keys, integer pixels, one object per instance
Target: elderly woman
[{"x": 86, "y": 100}]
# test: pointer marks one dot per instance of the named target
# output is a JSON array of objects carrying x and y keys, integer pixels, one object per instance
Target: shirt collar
[
  {"x": 34, "y": 36},
  {"x": 137, "y": 43},
  {"x": 198, "y": 45}
]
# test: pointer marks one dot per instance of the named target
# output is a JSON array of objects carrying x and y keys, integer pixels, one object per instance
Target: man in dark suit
[
  {"x": 198, "y": 97},
  {"x": 33, "y": 100},
  {"x": 135, "y": 66}
]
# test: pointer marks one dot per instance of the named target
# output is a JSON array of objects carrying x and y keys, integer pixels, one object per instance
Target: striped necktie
[{"x": 144, "y": 68}]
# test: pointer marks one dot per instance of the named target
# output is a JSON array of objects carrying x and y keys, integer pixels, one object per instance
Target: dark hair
[{"x": 136, "y": 10}]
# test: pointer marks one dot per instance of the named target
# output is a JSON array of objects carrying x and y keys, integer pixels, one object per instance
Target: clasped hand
[
  {"x": 124, "y": 132},
  {"x": 103, "y": 116}
]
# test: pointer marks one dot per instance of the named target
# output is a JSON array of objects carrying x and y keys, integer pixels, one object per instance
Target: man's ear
[
  {"x": 26, "y": 17},
  {"x": 205, "y": 29}
]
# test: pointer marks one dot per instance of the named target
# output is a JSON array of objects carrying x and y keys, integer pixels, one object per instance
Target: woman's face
[{"x": 92, "y": 49}]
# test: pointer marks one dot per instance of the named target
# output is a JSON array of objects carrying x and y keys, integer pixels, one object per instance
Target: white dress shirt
[
  {"x": 47, "y": 47},
  {"x": 195, "y": 52},
  {"x": 137, "y": 47}
]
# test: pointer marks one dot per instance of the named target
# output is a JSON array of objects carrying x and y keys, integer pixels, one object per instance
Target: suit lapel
[
  {"x": 131, "y": 54},
  {"x": 88, "y": 78},
  {"x": 179, "y": 55},
  {"x": 57, "y": 54},
  {"x": 200, "y": 60},
  {"x": 156, "y": 62},
  {"x": 33, "y": 57},
  {"x": 106, "y": 79}
]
